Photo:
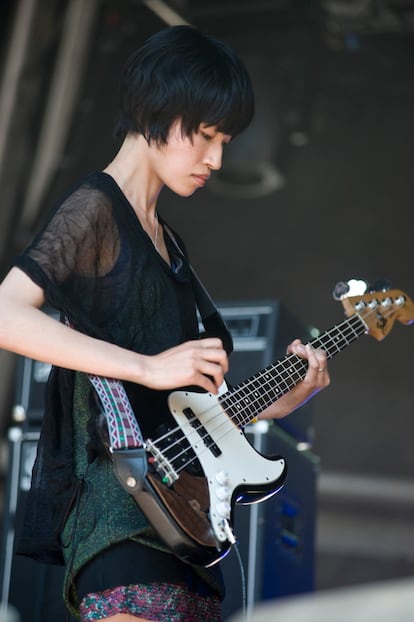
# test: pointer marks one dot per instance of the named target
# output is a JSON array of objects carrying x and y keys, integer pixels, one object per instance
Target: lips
[{"x": 201, "y": 180}]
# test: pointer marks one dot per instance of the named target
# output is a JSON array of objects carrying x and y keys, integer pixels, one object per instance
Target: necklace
[{"x": 155, "y": 241}]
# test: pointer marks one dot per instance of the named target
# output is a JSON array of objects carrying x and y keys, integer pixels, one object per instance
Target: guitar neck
[{"x": 249, "y": 398}]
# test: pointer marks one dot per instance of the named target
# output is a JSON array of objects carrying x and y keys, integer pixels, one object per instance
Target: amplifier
[{"x": 31, "y": 377}]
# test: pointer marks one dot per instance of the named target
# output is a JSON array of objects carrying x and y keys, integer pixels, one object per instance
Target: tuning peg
[
  {"x": 353, "y": 287},
  {"x": 340, "y": 290},
  {"x": 380, "y": 285}
]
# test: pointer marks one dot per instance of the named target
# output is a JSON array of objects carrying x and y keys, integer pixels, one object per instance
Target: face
[{"x": 185, "y": 163}]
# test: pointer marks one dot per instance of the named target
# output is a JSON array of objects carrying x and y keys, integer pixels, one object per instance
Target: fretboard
[{"x": 249, "y": 398}]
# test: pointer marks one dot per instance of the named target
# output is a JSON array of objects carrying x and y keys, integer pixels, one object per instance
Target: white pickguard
[{"x": 237, "y": 465}]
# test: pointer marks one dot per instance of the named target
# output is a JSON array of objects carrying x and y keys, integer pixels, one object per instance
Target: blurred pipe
[
  {"x": 71, "y": 61},
  {"x": 165, "y": 12},
  {"x": 14, "y": 63}
]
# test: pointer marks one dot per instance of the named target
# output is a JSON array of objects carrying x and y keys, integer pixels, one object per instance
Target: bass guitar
[{"x": 193, "y": 514}]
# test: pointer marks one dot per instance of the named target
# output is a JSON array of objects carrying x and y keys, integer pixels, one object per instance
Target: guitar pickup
[{"x": 202, "y": 432}]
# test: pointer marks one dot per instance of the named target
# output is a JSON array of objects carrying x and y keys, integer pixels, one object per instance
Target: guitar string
[{"x": 300, "y": 365}]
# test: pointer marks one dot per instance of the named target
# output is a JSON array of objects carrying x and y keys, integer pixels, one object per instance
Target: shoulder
[
  {"x": 88, "y": 201},
  {"x": 93, "y": 190}
]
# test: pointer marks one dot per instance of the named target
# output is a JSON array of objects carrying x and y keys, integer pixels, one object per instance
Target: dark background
[{"x": 335, "y": 119}]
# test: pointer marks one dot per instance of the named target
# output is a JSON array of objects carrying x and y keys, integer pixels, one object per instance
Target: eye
[{"x": 206, "y": 136}]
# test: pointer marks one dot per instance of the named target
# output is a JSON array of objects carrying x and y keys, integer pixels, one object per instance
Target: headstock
[{"x": 377, "y": 309}]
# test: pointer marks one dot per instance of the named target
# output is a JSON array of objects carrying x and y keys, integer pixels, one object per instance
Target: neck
[{"x": 131, "y": 169}]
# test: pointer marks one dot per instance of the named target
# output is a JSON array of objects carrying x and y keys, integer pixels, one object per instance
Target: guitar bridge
[{"x": 161, "y": 464}]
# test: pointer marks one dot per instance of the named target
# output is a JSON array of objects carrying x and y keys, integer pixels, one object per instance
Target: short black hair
[{"x": 181, "y": 73}]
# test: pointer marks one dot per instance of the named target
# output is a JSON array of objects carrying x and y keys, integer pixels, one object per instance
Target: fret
[
  {"x": 245, "y": 400},
  {"x": 340, "y": 336},
  {"x": 259, "y": 399}
]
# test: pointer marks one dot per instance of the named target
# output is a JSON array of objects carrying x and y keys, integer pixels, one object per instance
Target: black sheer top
[{"x": 99, "y": 268}]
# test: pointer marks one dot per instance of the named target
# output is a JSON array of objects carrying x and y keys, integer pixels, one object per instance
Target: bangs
[{"x": 221, "y": 99}]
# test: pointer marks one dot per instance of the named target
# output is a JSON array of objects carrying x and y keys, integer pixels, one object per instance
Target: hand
[
  {"x": 316, "y": 378},
  {"x": 202, "y": 363}
]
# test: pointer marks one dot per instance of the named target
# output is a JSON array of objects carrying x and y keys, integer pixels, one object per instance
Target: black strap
[{"x": 210, "y": 316}]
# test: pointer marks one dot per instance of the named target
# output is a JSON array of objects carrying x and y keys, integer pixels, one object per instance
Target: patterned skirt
[{"x": 146, "y": 583}]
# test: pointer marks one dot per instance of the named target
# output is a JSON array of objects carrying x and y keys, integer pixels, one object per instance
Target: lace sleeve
[
  {"x": 79, "y": 244},
  {"x": 79, "y": 238}
]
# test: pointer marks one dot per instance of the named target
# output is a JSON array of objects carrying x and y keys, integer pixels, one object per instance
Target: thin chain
[{"x": 156, "y": 231}]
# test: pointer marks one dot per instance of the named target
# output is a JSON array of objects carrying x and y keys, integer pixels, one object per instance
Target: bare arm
[{"x": 26, "y": 330}]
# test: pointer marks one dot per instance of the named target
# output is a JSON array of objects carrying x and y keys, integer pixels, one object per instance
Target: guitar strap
[
  {"x": 211, "y": 318},
  {"x": 126, "y": 444}
]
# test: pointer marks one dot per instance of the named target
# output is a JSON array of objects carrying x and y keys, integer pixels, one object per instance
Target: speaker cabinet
[
  {"x": 276, "y": 537},
  {"x": 31, "y": 377}
]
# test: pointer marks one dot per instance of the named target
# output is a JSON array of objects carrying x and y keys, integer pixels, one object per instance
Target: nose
[{"x": 214, "y": 157}]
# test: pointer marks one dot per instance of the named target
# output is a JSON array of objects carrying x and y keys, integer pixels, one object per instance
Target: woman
[{"x": 122, "y": 283}]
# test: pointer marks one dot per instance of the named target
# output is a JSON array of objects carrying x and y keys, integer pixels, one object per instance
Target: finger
[
  {"x": 210, "y": 342},
  {"x": 321, "y": 361},
  {"x": 217, "y": 355},
  {"x": 207, "y": 383},
  {"x": 318, "y": 368},
  {"x": 212, "y": 371},
  {"x": 292, "y": 347},
  {"x": 210, "y": 364},
  {"x": 312, "y": 357},
  {"x": 316, "y": 360}
]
